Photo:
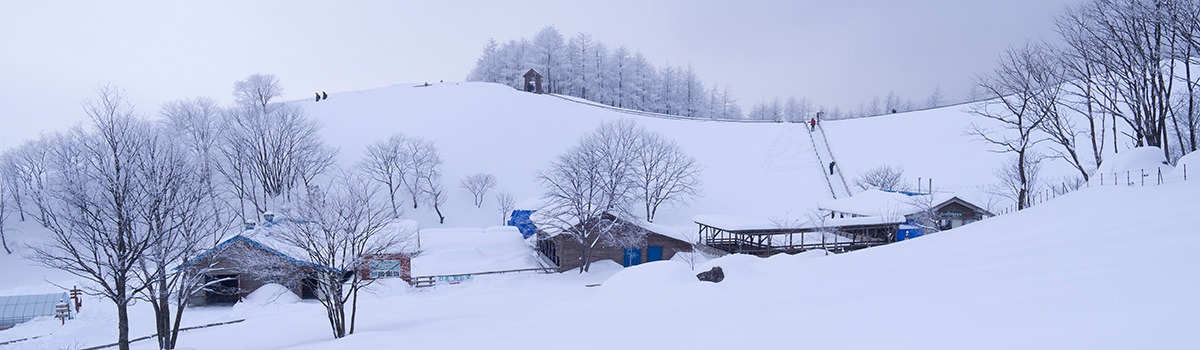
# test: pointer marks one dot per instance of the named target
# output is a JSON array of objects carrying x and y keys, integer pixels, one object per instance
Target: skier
[
  {"x": 812, "y": 124},
  {"x": 318, "y": 98},
  {"x": 831, "y": 167}
]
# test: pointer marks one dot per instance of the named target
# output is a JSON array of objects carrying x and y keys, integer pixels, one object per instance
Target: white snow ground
[{"x": 1104, "y": 267}]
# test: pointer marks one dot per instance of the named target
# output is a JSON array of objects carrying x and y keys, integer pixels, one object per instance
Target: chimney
[{"x": 249, "y": 225}]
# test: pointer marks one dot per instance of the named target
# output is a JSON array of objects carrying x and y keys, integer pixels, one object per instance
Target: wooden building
[
  {"x": 242, "y": 264},
  {"x": 533, "y": 81},
  {"x": 947, "y": 210},
  {"x": 638, "y": 242},
  {"x": 254, "y": 257}
]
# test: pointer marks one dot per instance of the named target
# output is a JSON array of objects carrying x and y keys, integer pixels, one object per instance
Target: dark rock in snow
[{"x": 714, "y": 275}]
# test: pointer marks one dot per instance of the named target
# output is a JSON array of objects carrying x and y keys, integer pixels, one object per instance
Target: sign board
[{"x": 453, "y": 279}]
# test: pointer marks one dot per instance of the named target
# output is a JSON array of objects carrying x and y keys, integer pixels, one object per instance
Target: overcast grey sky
[{"x": 53, "y": 53}]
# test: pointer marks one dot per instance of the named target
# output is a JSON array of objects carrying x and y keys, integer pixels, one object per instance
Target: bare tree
[
  {"x": 26, "y": 169},
  {"x": 505, "y": 203},
  {"x": 883, "y": 177},
  {"x": 1082, "y": 72},
  {"x": 663, "y": 173},
  {"x": 478, "y": 184},
  {"x": 435, "y": 193},
  {"x": 5, "y": 211},
  {"x": 927, "y": 216},
  {"x": 385, "y": 164},
  {"x": 1013, "y": 104},
  {"x": 1132, "y": 43},
  {"x": 272, "y": 154},
  {"x": 589, "y": 185},
  {"x": 180, "y": 216},
  {"x": 338, "y": 226},
  {"x": 421, "y": 159},
  {"x": 92, "y": 204},
  {"x": 1018, "y": 181}
]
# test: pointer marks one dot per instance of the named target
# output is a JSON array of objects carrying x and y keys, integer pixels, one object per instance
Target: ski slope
[{"x": 834, "y": 177}]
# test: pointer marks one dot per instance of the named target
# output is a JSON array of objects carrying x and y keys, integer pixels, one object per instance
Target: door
[
  {"x": 653, "y": 253},
  {"x": 633, "y": 256}
]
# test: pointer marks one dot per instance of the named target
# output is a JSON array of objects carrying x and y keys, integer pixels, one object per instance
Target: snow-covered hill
[
  {"x": 760, "y": 170},
  {"x": 1104, "y": 267}
]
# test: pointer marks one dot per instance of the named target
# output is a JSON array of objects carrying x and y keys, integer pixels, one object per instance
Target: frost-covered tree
[
  {"x": 385, "y": 164},
  {"x": 489, "y": 66},
  {"x": 548, "y": 57},
  {"x": 936, "y": 98},
  {"x": 478, "y": 184},
  {"x": 505, "y": 203},
  {"x": 585, "y": 67},
  {"x": 180, "y": 215},
  {"x": 590, "y": 183},
  {"x": 6, "y": 210},
  {"x": 422, "y": 161},
  {"x": 337, "y": 225},
  {"x": 93, "y": 195},
  {"x": 270, "y": 149},
  {"x": 883, "y": 177}
]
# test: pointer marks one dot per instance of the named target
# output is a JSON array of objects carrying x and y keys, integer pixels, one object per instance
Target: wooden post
[{"x": 1143, "y": 177}]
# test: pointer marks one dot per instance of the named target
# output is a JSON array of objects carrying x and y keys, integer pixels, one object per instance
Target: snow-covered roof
[
  {"x": 735, "y": 223},
  {"x": 875, "y": 202},
  {"x": 663, "y": 230},
  {"x": 453, "y": 251},
  {"x": 269, "y": 238}
]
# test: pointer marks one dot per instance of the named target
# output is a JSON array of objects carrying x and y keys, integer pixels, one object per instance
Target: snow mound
[
  {"x": 1188, "y": 161},
  {"x": 737, "y": 267},
  {"x": 503, "y": 230},
  {"x": 653, "y": 275},
  {"x": 270, "y": 293},
  {"x": 472, "y": 250},
  {"x": 1133, "y": 161}
]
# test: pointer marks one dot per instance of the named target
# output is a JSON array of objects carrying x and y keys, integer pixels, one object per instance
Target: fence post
[
  {"x": 1160, "y": 179},
  {"x": 1127, "y": 183},
  {"x": 1143, "y": 177}
]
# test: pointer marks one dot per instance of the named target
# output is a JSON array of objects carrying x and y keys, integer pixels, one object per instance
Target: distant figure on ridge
[
  {"x": 831, "y": 167},
  {"x": 812, "y": 124},
  {"x": 318, "y": 97},
  {"x": 324, "y": 96}
]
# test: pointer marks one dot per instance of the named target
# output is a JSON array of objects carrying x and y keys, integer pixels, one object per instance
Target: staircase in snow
[{"x": 836, "y": 182}]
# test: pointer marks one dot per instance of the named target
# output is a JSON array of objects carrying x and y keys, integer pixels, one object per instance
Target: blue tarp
[
  {"x": 520, "y": 219},
  {"x": 908, "y": 231}
]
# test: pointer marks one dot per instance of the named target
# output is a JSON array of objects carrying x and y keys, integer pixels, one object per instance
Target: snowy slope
[
  {"x": 759, "y": 169},
  {"x": 1102, "y": 268},
  {"x": 931, "y": 144}
]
